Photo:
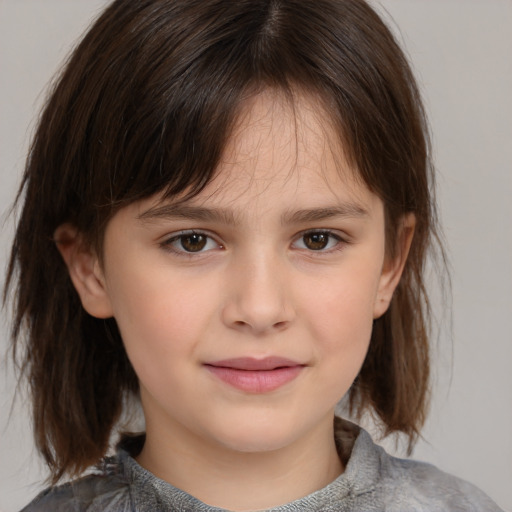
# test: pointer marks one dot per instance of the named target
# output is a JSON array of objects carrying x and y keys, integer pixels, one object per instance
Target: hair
[{"x": 145, "y": 105}]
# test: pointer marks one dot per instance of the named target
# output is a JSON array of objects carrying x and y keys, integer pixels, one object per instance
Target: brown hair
[{"x": 145, "y": 104}]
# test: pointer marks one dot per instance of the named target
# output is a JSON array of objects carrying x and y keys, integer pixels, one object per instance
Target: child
[{"x": 240, "y": 196}]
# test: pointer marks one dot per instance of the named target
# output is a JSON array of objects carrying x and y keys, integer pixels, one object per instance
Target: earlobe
[
  {"x": 84, "y": 270},
  {"x": 393, "y": 269}
]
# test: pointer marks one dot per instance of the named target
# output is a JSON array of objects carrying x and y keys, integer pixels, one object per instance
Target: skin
[{"x": 256, "y": 289}]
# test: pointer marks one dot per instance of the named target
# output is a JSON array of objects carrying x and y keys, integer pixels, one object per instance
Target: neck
[{"x": 241, "y": 481}]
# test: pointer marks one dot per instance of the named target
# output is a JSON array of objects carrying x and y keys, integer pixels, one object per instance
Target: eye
[
  {"x": 192, "y": 242},
  {"x": 318, "y": 241}
]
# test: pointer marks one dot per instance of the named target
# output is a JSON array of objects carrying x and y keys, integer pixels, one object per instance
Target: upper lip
[{"x": 254, "y": 364}]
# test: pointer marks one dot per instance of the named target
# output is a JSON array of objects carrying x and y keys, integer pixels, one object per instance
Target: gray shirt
[{"x": 373, "y": 481}]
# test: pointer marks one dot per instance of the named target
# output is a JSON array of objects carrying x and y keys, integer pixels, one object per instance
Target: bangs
[
  {"x": 155, "y": 110},
  {"x": 168, "y": 121}
]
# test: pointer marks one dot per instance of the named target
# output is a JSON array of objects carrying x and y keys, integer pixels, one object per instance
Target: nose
[{"x": 259, "y": 298}]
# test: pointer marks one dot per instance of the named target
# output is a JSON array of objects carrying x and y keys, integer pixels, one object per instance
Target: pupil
[
  {"x": 193, "y": 243},
  {"x": 316, "y": 241}
]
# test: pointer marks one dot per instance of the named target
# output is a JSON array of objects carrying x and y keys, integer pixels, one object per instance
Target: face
[{"x": 247, "y": 311}]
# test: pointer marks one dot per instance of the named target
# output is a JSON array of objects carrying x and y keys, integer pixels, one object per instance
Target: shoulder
[
  {"x": 421, "y": 487},
  {"x": 106, "y": 490},
  {"x": 394, "y": 484},
  {"x": 428, "y": 488}
]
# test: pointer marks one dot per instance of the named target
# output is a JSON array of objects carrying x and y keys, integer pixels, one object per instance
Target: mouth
[{"x": 256, "y": 375}]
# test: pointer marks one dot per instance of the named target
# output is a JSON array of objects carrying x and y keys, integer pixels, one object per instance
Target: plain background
[{"x": 461, "y": 51}]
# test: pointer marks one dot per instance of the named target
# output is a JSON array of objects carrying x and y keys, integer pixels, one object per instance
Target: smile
[{"x": 256, "y": 375}]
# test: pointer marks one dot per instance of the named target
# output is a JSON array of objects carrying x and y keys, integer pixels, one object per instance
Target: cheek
[
  {"x": 340, "y": 321},
  {"x": 340, "y": 308},
  {"x": 340, "y": 325},
  {"x": 160, "y": 316}
]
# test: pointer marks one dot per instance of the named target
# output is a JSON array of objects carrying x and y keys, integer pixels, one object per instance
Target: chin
[
  {"x": 257, "y": 444},
  {"x": 251, "y": 435}
]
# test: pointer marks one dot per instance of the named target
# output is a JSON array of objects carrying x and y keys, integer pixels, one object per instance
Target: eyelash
[
  {"x": 340, "y": 242},
  {"x": 168, "y": 244}
]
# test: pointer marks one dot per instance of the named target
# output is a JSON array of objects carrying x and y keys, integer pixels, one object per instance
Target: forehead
[
  {"x": 292, "y": 133},
  {"x": 283, "y": 156},
  {"x": 283, "y": 144}
]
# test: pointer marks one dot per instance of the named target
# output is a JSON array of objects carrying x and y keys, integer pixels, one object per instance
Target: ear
[
  {"x": 393, "y": 268},
  {"x": 85, "y": 271}
]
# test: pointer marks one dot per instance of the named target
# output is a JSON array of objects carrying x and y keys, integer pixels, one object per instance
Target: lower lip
[{"x": 256, "y": 381}]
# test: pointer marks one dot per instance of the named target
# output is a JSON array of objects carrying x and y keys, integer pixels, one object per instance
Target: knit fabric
[{"x": 373, "y": 481}]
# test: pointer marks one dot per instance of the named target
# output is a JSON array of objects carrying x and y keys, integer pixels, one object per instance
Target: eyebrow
[
  {"x": 346, "y": 210},
  {"x": 182, "y": 211},
  {"x": 228, "y": 217}
]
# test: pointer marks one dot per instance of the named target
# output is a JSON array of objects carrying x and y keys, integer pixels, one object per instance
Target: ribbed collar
[{"x": 355, "y": 446}]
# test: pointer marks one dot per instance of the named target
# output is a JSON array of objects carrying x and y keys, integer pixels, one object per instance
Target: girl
[{"x": 227, "y": 209}]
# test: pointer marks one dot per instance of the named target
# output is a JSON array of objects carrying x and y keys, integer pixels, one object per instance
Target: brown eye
[
  {"x": 190, "y": 243},
  {"x": 316, "y": 241},
  {"x": 193, "y": 242}
]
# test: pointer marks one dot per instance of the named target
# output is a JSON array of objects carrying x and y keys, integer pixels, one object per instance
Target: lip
[{"x": 256, "y": 375}]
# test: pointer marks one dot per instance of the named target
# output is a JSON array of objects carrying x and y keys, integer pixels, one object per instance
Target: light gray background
[{"x": 462, "y": 53}]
